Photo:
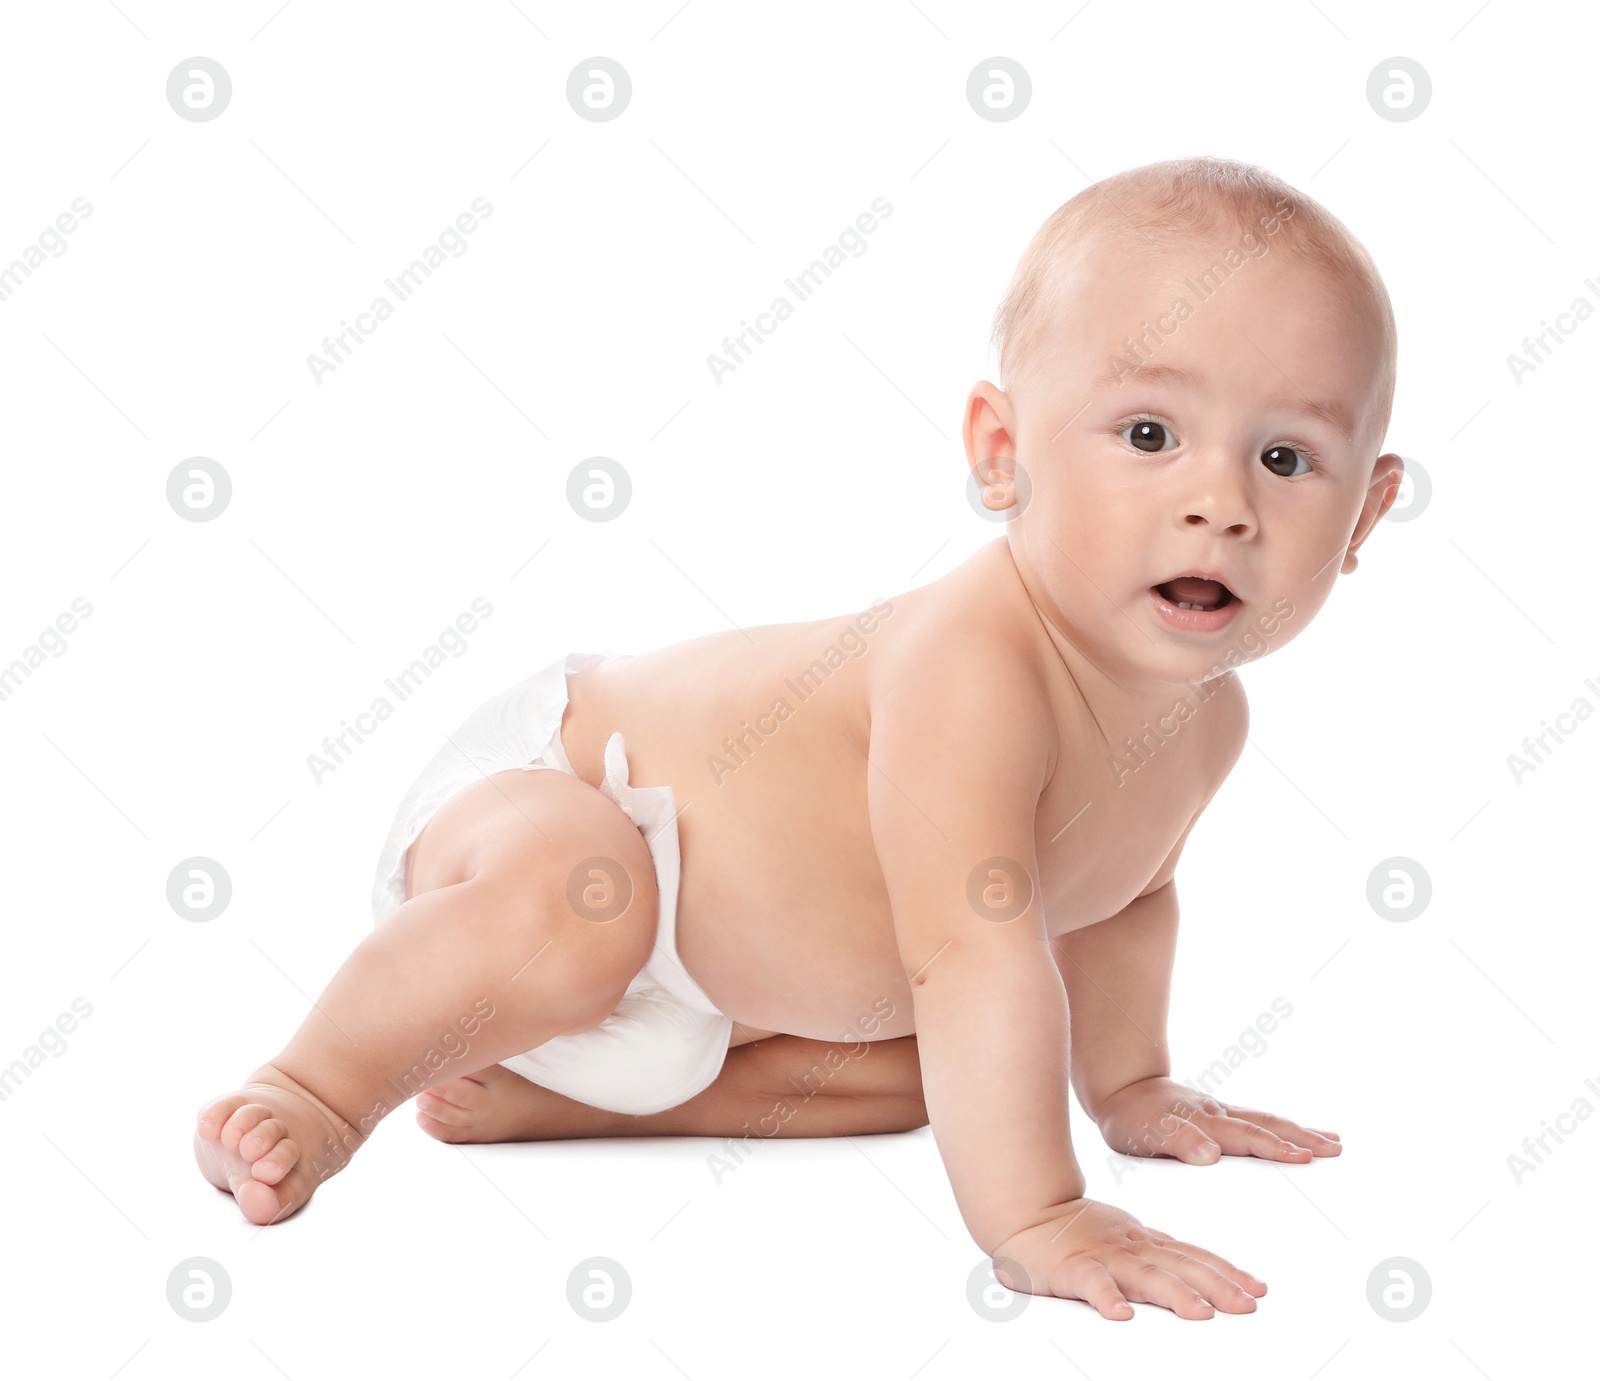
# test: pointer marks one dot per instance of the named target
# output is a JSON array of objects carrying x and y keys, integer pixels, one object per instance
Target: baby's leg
[
  {"x": 782, "y": 1086},
  {"x": 505, "y": 953}
]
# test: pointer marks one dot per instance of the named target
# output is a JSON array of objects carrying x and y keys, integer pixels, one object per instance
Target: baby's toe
[
  {"x": 262, "y": 1202},
  {"x": 442, "y": 1109},
  {"x": 441, "y": 1131},
  {"x": 244, "y": 1119},
  {"x": 211, "y": 1119},
  {"x": 276, "y": 1163},
  {"x": 262, "y": 1138},
  {"x": 463, "y": 1093},
  {"x": 258, "y": 1202}
]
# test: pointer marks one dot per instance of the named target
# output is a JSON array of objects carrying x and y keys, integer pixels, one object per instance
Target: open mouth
[{"x": 1193, "y": 592}]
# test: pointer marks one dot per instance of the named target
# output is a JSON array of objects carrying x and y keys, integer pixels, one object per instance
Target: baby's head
[{"x": 1197, "y": 368}]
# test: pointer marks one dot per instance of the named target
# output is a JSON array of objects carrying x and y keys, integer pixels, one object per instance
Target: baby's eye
[
  {"x": 1281, "y": 460},
  {"x": 1147, "y": 436}
]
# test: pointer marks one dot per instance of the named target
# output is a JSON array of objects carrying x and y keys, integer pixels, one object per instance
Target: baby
[{"x": 937, "y": 831}]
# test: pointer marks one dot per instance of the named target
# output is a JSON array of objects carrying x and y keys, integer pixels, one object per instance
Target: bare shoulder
[
  {"x": 967, "y": 690},
  {"x": 962, "y": 744}
]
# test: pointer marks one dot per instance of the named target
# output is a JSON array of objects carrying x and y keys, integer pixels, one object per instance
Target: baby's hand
[
  {"x": 1094, "y": 1252},
  {"x": 1161, "y": 1117}
]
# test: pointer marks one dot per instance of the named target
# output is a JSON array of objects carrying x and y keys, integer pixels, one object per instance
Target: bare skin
[
  {"x": 949, "y": 826},
  {"x": 864, "y": 1088}
]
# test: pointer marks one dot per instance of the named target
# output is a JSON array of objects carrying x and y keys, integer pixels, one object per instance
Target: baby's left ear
[
  {"x": 1387, "y": 472},
  {"x": 1382, "y": 490}
]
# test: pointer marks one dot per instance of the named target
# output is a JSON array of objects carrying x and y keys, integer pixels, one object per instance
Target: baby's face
[{"x": 1204, "y": 451}]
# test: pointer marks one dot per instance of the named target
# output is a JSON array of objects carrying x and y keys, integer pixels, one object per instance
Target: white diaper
[{"x": 666, "y": 1041}]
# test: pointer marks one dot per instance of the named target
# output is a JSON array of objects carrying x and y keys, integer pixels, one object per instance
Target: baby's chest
[{"x": 1098, "y": 851}]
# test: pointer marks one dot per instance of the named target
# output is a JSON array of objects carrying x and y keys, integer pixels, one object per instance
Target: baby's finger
[
  {"x": 1243, "y": 1279},
  {"x": 1088, "y": 1279},
  {"x": 1182, "y": 1140},
  {"x": 1318, "y": 1143},
  {"x": 1140, "y": 1278},
  {"x": 1241, "y": 1138},
  {"x": 1205, "y": 1279}
]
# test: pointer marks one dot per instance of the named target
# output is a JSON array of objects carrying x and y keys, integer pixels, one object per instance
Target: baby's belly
[
  {"x": 847, "y": 1010},
  {"x": 786, "y": 923},
  {"x": 812, "y": 972}
]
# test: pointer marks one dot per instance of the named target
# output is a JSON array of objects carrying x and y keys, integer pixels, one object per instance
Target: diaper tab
[
  {"x": 655, "y": 815},
  {"x": 614, "y": 786}
]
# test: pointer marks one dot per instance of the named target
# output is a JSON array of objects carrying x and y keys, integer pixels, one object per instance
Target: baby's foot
[
  {"x": 494, "y": 1104},
  {"x": 270, "y": 1144}
]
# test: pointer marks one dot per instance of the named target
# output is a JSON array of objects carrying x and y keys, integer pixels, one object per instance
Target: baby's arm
[
  {"x": 1118, "y": 974},
  {"x": 953, "y": 783},
  {"x": 956, "y": 766}
]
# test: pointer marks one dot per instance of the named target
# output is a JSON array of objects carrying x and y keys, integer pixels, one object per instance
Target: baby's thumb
[{"x": 1186, "y": 1142}]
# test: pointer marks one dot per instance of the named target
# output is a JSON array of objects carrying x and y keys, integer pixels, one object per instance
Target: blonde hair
[{"x": 1160, "y": 204}]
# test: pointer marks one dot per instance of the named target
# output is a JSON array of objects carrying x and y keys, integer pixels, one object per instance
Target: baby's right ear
[{"x": 988, "y": 432}]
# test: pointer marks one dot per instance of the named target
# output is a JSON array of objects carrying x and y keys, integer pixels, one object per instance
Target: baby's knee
[{"x": 572, "y": 924}]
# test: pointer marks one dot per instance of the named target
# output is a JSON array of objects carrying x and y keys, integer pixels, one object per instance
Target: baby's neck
[
  {"x": 1114, "y": 702},
  {"x": 1113, "y": 698}
]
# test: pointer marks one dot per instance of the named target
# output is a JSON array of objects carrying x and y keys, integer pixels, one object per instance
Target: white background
[{"x": 369, "y": 511}]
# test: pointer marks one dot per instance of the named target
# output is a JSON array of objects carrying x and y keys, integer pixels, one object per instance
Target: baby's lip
[{"x": 1200, "y": 574}]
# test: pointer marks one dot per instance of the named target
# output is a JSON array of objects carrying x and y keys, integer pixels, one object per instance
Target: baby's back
[{"x": 763, "y": 736}]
